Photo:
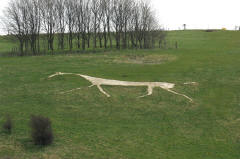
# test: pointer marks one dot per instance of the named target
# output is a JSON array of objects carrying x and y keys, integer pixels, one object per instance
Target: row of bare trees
[{"x": 82, "y": 24}]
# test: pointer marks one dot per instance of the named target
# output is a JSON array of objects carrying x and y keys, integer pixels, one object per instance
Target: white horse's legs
[
  {"x": 150, "y": 91},
  {"x": 91, "y": 86},
  {"x": 190, "y": 99},
  {"x": 101, "y": 90}
]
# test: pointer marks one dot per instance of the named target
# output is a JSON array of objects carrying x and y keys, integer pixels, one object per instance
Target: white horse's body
[{"x": 100, "y": 81}]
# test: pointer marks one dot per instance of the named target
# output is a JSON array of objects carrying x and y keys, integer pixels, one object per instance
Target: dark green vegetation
[
  {"x": 41, "y": 130},
  {"x": 88, "y": 125},
  {"x": 7, "y": 45},
  {"x": 8, "y": 125},
  {"x": 10, "y": 46}
]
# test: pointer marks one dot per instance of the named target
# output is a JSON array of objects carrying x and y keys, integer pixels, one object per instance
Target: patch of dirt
[{"x": 145, "y": 59}]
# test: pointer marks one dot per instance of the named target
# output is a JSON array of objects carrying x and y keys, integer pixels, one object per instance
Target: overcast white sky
[{"x": 197, "y": 14}]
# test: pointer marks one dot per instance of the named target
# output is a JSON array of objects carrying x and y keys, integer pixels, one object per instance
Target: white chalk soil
[{"x": 107, "y": 82}]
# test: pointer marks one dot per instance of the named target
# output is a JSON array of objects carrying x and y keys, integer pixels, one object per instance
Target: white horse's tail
[
  {"x": 191, "y": 83},
  {"x": 59, "y": 74}
]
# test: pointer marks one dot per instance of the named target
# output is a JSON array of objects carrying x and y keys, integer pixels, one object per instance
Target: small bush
[
  {"x": 41, "y": 130},
  {"x": 8, "y": 125},
  {"x": 210, "y": 30}
]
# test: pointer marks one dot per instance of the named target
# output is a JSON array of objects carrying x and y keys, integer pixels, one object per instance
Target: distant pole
[
  {"x": 184, "y": 26},
  {"x": 160, "y": 43}
]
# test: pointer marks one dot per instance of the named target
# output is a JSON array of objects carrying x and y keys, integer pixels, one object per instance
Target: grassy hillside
[
  {"x": 88, "y": 125},
  {"x": 7, "y": 44}
]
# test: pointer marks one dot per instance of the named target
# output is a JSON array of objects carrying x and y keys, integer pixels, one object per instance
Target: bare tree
[
  {"x": 61, "y": 23},
  {"x": 49, "y": 18},
  {"x": 108, "y": 13},
  {"x": 101, "y": 21},
  {"x": 117, "y": 20},
  {"x": 85, "y": 21},
  {"x": 34, "y": 24},
  {"x": 70, "y": 20},
  {"x": 88, "y": 21},
  {"x": 127, "y": 9},
  {"x": 16, "y": 22},
  {"x": 134, "y": 24},
  {"x": 106, "y": 8},
  {"x": 95, "y": 7},
  {"x": 79, "y": 20},
  {"x": 130, "y": 22}
]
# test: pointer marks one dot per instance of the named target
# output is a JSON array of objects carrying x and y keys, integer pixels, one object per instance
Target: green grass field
[{"x": 88, "y": 125}]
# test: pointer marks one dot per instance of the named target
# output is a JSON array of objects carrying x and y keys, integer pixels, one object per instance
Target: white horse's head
[{"x": 56, "y": 74}]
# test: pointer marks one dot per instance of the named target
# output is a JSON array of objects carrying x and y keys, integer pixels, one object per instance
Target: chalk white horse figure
[{"x": 100, "y": 81}]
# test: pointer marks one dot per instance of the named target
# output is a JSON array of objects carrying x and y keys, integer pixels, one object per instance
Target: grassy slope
[
  {"x": 165, "y": 126},
  {"x": 6, "y": 45}
]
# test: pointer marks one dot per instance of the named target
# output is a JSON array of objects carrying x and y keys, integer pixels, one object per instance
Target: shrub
[
  {"x": 41, "y": 130},
  {"x": 210, "y": 30},
  {"x": 8, "y": 125}
]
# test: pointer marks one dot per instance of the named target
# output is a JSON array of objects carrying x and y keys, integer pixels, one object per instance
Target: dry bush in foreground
[
  {"x": 8, "y": 125},
  {"x": 41, "y": 130}
]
